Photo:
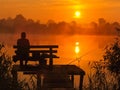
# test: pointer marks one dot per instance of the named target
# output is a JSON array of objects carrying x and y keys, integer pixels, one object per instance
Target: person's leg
[
  {"x": 21, "y": 62},
  {"x": 26, "y": 62},
  {"x": 26, "y": 59}
]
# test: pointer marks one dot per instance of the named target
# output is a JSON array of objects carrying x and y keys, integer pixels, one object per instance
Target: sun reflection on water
[{"x": 77, "y": 49}]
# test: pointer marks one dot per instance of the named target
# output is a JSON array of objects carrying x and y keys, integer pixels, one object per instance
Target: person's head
[{"x": 23, "y": 35}]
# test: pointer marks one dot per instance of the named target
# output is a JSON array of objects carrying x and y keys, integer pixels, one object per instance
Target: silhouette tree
[
  {"x": 112, "y": 57},
  {"x": 105, "y": 74}
]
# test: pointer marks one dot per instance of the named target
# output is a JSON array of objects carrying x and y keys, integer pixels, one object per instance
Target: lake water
[{"x": 92, "y": 47}]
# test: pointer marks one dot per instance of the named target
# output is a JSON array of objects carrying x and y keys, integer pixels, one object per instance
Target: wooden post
[
  {"x": 51, "y": 59},
  {"x": 38, "y": 81},
  {"x": 81, "y": 82},
  {"x": 72, "y": 79}
]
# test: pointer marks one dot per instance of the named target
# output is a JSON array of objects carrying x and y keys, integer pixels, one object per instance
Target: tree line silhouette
[{"x": 13, "y": 25}]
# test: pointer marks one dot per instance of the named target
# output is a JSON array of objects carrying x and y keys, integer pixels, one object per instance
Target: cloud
[{"x": 58, "y": 2}]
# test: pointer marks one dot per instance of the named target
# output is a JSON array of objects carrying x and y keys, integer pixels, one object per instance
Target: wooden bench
[{"x": 38, "y": 53}]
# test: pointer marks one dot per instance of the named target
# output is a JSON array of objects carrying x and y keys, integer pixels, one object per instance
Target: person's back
[
  {"x": 23, "y": 48},
  {"x": 23, "y": 45}
]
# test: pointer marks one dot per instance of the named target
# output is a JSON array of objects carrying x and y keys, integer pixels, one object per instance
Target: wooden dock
[
  {"x": 61, "y": 76},
  {"x": 55, "y": 76}
]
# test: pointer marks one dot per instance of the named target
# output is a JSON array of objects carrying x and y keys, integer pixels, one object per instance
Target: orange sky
[{"x": 62, "y": 10}]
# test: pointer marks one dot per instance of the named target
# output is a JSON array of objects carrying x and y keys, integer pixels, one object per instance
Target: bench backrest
[{"x": 36, "y": 50}]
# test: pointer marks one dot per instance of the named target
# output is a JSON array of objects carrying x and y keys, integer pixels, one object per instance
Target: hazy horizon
[{"x": 20, "y": 23}]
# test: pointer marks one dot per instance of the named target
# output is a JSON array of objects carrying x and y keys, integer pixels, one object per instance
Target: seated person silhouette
[{"x": 23, "y": 48}]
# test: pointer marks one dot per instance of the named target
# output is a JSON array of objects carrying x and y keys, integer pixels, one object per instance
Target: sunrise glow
[{"x": 61, "y": 44}]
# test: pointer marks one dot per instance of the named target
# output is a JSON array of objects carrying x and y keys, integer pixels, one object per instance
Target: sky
[{"x": 62, "y": 10}]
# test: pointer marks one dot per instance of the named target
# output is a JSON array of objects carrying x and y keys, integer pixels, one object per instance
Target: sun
[{"x": 77, "y": 14}]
